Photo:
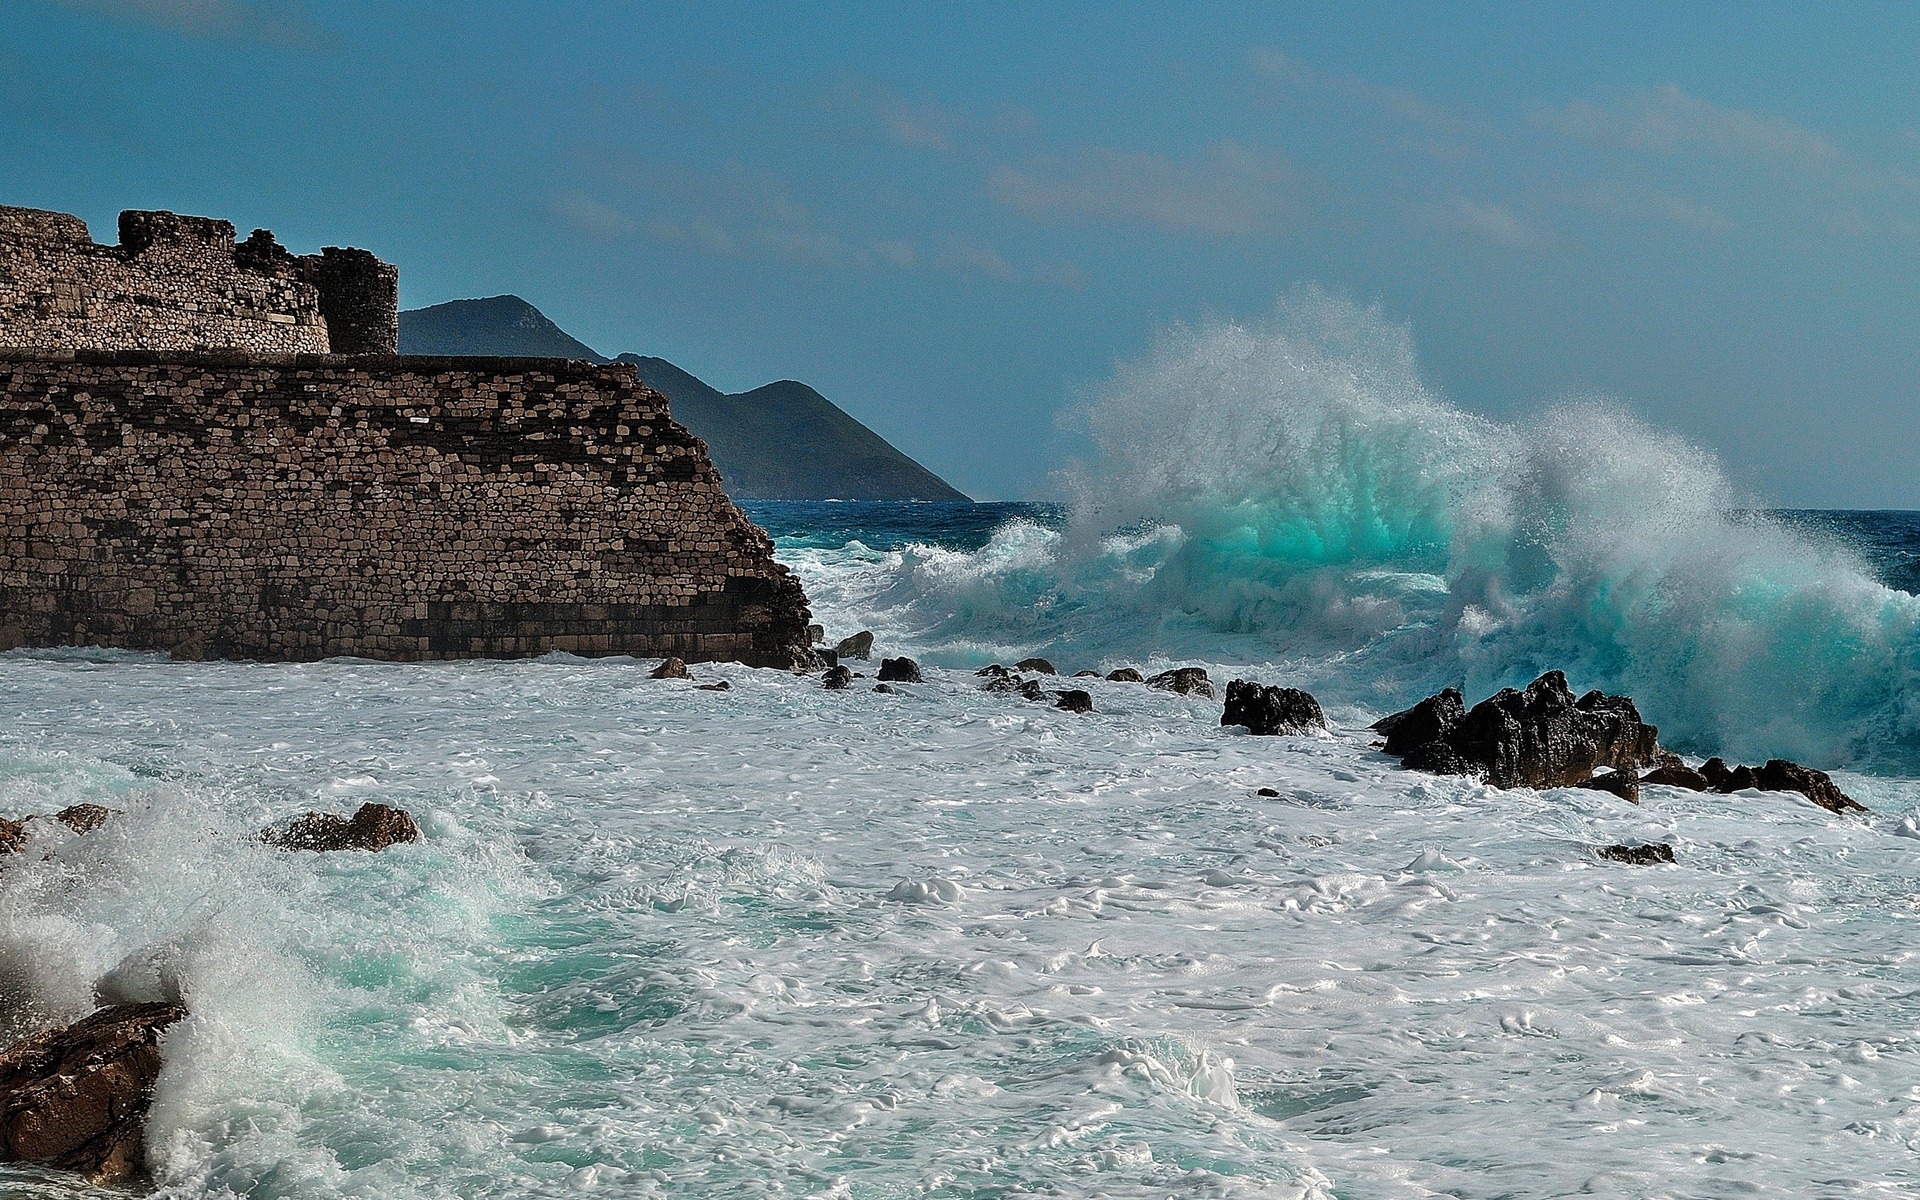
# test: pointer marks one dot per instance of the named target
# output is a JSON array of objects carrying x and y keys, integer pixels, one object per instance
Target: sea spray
[{"x": 1290, "y": 492}]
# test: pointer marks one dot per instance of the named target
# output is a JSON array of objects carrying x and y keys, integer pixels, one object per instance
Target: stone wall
[
  {"x": 303, "y": 506},
  {"x": 181, "y": 283}
]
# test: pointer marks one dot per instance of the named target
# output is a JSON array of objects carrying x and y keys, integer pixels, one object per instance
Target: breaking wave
[{"x": 1290, "y": 492}]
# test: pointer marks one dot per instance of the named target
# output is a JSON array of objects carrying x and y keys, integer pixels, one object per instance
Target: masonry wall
[
  {"x": 182, "y": 283},
  {"x": 303, "y": 506}
]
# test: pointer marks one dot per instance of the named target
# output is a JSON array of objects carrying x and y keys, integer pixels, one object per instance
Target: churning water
[{"x": 787, "y": 942}]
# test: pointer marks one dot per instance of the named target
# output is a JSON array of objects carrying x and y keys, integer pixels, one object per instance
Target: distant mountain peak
[{"x": 504, "y": 325}]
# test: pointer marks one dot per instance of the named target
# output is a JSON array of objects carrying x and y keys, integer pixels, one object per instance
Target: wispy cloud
[
  {"x": 1653, "y": 205},
  {"x": 1669, "y": 121},
  {"x": 1494, "y": 222},
  {"x": 584, "y": 214},
  {"x": 1409, "y": 106},
  {"x": 272, "y": 22},
  {"x": 1230, "y": 191},
  {"x": 923, "y": 127}
]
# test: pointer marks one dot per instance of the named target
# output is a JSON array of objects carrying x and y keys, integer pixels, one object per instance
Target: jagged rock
[
  {"x": 1538, "y": 738},
  {"x": 860, "y": 645},
  {"x": 816, "y": 634},
  {"x": 837, "y": 678},
  {"x": 1188, "y": 681},
  {"x": 1086, "y": 674},
  {"x": 84, "y": 818},
  {"x": 1780, "y": 775},
  {"x": 1030, "y": 688},
  {"x": 886, "y": 689},
  {"x": 1678, "y": 775},
  {"x": 722, "y": 686},
  {"x": 671, "y": 668},
  {"x": 1651, "y": 854},
  {"x": 1272, "y": 711},
  {"x": 899, "y": 670},
  {"x": 1075, "y": 701},
  {"x": 1039, "y": 666},
  {"x": 1125, "y": 675},
  {"x": 993, "y": 670},
  {"x": 1005, "y": 681},
  {"x": 374, "y": 827},
  {"x": 826, "y": 659},
  {"x": 76, "y": 1098},
  {"x": 13, "y": 836},
  {"x": 1624, "y": 784}
]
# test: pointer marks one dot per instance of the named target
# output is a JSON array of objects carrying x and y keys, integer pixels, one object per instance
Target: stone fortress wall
[{"x": 229, "y": 502}]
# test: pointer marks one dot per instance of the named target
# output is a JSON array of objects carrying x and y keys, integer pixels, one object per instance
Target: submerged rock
[
  {"x": 1649, "y": 855},
  {"x": 1780, "y": 775},
  {"x": 860, "y": 645},
  {"x": 671, "y": 668},
  {"x": 1268, "y": 793},
  {"x": 85, "y": 818},
  {"x": 886, "y": 689},
  {"x": 1039, "y": 666},
  {"x": 76, "y": 1098},
  {"x": 836, "y": 679},
  {"x": 1680, "y": 776},
  {"x": 1005, "y": 681},
  {"x": 1075, "y": 701},
  {"x": 1187, "y": 681},
  {"x": 722, "y": 686},
  {"x": 900, "y": 670},
  {"x": 1125, "y": 675},
  {"x": 13, "y": 836},
  {"x": 1030, "y": 688},
  {"x": 1272, "y": 711},
  {"x": 1541, "y": 737},
  {"x": 993, "y": 671},
  {"x": 374, "y": 827},
  {"x": 1086, "y": 674}
]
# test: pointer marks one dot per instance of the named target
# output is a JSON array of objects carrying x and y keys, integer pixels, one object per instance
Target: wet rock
[
  {"x": 671, "y": 668},
  {"x": 1649, "y": 855},
  {"x": 860, "y": 645},
  {"x": 1780, "y": 775},
  {"x": 1541, "y": 737},
  {"x": 1188, "y": 681},
  {"x": 374, "y": 827},
  {"x": 1006, "y": 681},
  {"x": 886, "y": 689},
  {"x": 1678, "y": 775},
  {"x": 899, "y": 670},
  {"x": 837, "y": 679},
  {"x": 1272, "y": 711},
  {"x": 1269, "y": 793},
  {"x": 1624, "y": 784},
  {"x": 1039, "y": 666},
  {"x": 993, "y": 671},
  {"x": 1086, "y": 674},
  {"x": 1030, "y": 688},
  {"x": 75, "y": 1099},
  {"x": 722, "y": 686},
  {"x": 84, "y": 818},
  {"x": 816, "y": 634},
  {"x": 1075, "y": 701},
  {"x": 13, "y": 836},
  {"x": 827, "y": 659},
  {"x": 1125, "y": 675}
]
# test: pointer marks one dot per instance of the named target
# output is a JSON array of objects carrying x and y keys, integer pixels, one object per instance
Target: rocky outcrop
[
  {"x": 860, "y": 646},
  {"x": 1676, "y": 775},
  {"x": 1779, "y": 775},
  {"x": 374, "y": 827},
  {"x": 1074, "y": 701},
  {"x": 1039, "y": 666},
  {"x": 837, "y": 678},
  {"x": 1272, "y": 711},
  {"x": 76, "y": 1098},
  {"x": 1650, "y": 855},
  {"x": 900, "y": 670},
  {"x": 1125, "y": 675},
  {"x": 1187, "y": 681},
  {"x": 1541, "y": 737},
  {"x": 671, "y": 668},
  {"x": 84, "y": 818},
  {"x": 13, "y": 836}
]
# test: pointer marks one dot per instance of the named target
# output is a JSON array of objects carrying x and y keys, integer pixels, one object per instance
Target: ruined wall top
[{"x": 183, "y": 283}]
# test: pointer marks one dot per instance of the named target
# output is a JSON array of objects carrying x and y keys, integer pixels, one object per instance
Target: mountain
[{"x": 783, "y": 441}]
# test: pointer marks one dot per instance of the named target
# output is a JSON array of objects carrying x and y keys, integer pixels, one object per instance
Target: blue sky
[{"x": 954, "y": 223}]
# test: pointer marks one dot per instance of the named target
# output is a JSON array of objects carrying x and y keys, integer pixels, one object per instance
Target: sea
[{"x": 940, "y": 942}]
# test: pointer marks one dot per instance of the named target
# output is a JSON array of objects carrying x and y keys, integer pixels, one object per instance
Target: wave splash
[{"x": 1291, "y": 492}]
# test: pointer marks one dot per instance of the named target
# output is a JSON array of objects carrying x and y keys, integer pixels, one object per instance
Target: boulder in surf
[
  {"x": 1272, "y": 711},
  {"x": 860, "y": 645},
  {"x": 1187, "y": 681},
  {"x": 374, "y": 827},
  {"x": 900, "y": 670}
]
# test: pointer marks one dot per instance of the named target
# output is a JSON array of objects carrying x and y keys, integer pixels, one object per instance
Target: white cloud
[
  {"x": 1409, "y": 106},
  {"x": 1230, "y": 191},
  {"x": 1669, "y": 121},
  {"x": 1495, "y": 222},
  {"x": 1654, "y": 205}
]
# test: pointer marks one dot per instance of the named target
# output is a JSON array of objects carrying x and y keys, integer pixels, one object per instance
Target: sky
[{"x": 955, "y": 221}]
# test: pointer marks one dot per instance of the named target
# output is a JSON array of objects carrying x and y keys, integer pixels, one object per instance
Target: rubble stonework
[
  {"x": 397, "y": 507},
  {"x": 182, "y": 283}
]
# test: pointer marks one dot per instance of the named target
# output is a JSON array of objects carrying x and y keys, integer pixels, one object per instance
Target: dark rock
[
  {"x": 1004, "y": 682},
  {"x": 84, "y": 818},
  {"x": 860, "y": 645},
  {"x": 1039, "y": 666},
  {"x": 1086, "y": 674},
  {"x": 671, "y": 668},
  {"x": 900, "y": 670},
  {"x": 13, "y": 836},
  {"x": 1538, "y": 738},
  {"x": 374, "y": 827},
  {"x": 722, "y": 686},
  {"x": 1723, "y": 778},
  {"x": 994, "y": 671},
  {"x": 1678, "y": 775},
  {"x": 836, "y": 679},
  {"x": 75, "y": 1099},
  {"x": 1649, "y": 855},
  {"x": 1125, "y": 675},
  {"x": 828, "y": 659},
  {"x": 1272, "y": 711},
  {"x": 1779, "y": 775},
  {"x": 886, "y": 689},
  {"x": 1624, "y": 784},
  {"x": 1030, "y": 688},
  {"x": 1267, "y": 792},
  {"x": 816, "y": 634},
  {"x": 1188, "y": 681},
  {"x": 1075, "y": 701}
]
